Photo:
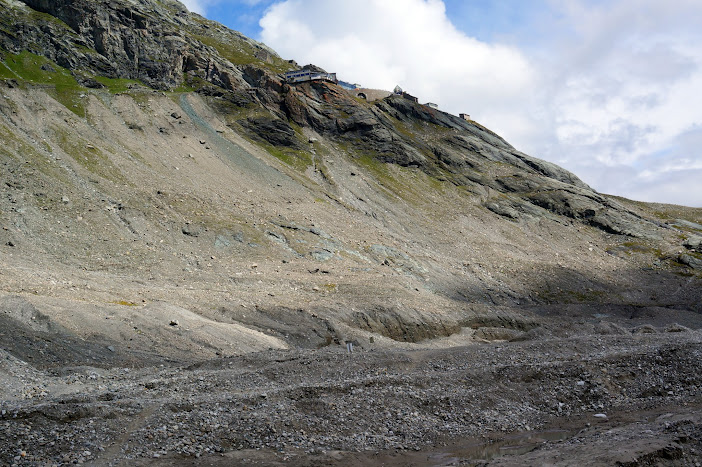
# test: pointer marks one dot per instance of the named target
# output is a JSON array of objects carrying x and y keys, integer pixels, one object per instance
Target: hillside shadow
[{"x": 659, "y": 298}]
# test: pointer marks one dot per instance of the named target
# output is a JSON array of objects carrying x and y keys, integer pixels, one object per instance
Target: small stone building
[
  {"x": 410, "y": 97},
  {"x": 371, "y": 95}
]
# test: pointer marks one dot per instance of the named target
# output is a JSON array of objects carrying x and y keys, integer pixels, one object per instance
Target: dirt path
[{"x": 112, "y": 455}]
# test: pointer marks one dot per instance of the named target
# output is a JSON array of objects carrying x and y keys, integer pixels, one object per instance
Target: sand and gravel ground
[
  {"x": 185, "y": 300},
  {"x": 632, "y": 399}
]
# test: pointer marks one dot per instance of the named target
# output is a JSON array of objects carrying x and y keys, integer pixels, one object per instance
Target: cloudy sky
[{"x": 609, "y": 89}]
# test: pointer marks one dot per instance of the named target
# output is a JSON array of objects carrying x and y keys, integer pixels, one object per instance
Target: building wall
[
  {"x": 301, "y": 76},
  {"x": 371, "y": 94}
]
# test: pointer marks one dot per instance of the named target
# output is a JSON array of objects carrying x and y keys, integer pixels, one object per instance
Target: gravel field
[{"x": 589, "y": 400}]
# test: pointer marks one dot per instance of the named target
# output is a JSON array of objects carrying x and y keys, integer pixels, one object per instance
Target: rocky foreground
[{"x": 614, "y": 397}]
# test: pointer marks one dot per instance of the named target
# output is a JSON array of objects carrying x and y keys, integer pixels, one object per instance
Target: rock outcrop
[
  {"x": 164, "y": 46},
  {"x": 154, "y": 42}
]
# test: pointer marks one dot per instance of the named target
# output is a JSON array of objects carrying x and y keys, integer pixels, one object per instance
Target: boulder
[
  {"x": 691, "y": 261},
  {"x": 694, "y": 243}
]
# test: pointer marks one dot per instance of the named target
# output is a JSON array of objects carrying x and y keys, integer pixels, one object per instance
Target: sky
[{"x": 610, "y": 90}]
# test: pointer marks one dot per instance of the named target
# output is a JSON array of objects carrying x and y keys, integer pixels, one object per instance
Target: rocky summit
[{"x": 202, "y": 263}]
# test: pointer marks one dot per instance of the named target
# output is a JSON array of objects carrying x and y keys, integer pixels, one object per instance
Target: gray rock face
[
  {"x": 694, "y": 243},
  {"x": 690, "y": 261},
  {"x": 275, "y": 131},
  {"x": 229, "y": 273},
  {"x": 503, "y": 209},
  {"x": 148, "y": 41},
  {"x": 398, "y": 131},
  {"x": 688, "y": 224}
]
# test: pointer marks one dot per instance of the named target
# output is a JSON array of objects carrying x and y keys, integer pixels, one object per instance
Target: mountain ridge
[
  {"x": 166, "y": 198},
  {"x": 305, "y": 127}
]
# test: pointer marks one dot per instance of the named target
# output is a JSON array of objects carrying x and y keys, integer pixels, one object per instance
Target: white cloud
[
  {"x": 201, "y": 6},
  {"x": 623, "y": 92},
  {"x": 603, "y": 88},
  {"x": 407, "y": 42},
  {"x": 193, "y": 5}
]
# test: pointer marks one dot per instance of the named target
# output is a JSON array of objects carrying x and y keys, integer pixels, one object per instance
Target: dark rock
[
  {"x": 275, "y": 131},
  {"x": 503, "y": 210},
  {"x": 136, "y": 41},
  {"x": 691, "y": 261},
  {"x": 89, "y": 82},
  {"x": 675, "y": 327},
  {"x": 645, "y": 329},
  {"x": 403, "y": 155},
  {"x": 694, "y": 243},
  {"x": 192, "y": 230},
  {"x": 314, "y": 68},
  {"x": 405, "y": 325},
  {"x": 238, "y": 237}
]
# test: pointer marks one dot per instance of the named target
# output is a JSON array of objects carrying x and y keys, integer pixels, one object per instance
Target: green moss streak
[
  {"x": 242, "y": 53},
  {"x": 14, "y": 148},
  {"x": 297, "y": 159},
  {"x": 89, "y": 157},
  {"x": 117, "y": 85}
]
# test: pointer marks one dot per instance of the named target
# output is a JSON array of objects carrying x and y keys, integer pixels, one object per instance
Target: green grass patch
[
  {"x": 117, "y": 85},
  {"x": 408, "y": 131},
  {"x": 37, "y": 16},
  {"x": 381, "y": 171},
  {"x": 233, "y": 112},
  {"x": 88, "y": 156},
  {"x": 28, "y": 67},
  {"x": 185, "y": 86},
  {"x": 35, "y": 69},
  {"x": 237, "y": 55},
  {"x": 296, "y": 158},
  {"x": 71, "y": 97},
  {"x": 242, "y": 53},
  {"x": 14, "y": 148}
]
